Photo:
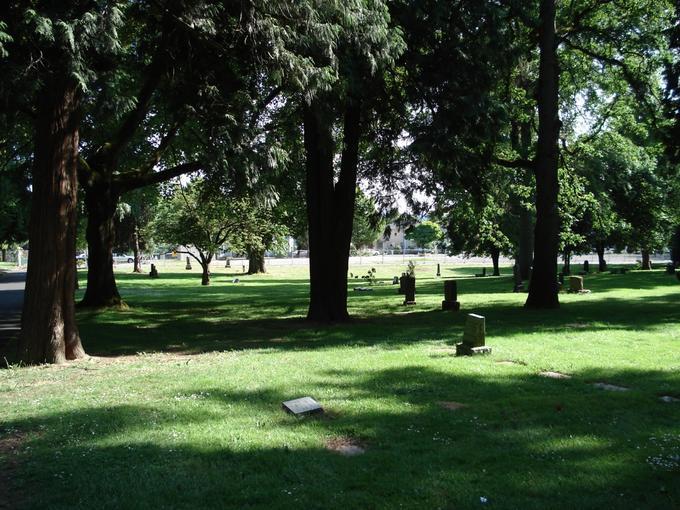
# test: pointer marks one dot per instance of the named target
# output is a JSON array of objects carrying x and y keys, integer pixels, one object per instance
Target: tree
[
  {"x": 425, "y": 233},
  {"x": 48, "y": 91}
]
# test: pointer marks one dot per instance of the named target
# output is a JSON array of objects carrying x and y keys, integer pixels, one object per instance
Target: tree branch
[{"x": 134, "y": 180}]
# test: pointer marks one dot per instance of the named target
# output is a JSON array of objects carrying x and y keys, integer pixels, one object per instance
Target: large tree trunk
[
  {"x": 256, "y": 261},
  {"x": 137, "y": 267},
  {"x": 646, "y": 261},
  {"x": 495, "y": 255},
  {"x": 543, "y": 291},
  {"x": 602, "y": 263},
  {"x": 330, "y": 208},
  {"x": 205, "y": 266},
  {"x": 49, "y": 332},
  {"x": 100, "y": 201}
]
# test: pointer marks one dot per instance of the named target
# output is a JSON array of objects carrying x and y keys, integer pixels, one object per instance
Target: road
[{"x": 11, "y": 300}]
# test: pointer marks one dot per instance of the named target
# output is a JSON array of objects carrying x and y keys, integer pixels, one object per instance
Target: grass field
[{"x": 181, "y": 405}]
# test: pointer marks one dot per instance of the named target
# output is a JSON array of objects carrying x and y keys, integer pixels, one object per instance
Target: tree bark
[
  {"x": 495, "y": 255},
  {"x": 49, "y": 333},
  {"x": 256, "y": 261},
  {"x": 602, "y": 263},
  {"x": 205, "y": 266},
  {"x": 543, "y": 291},
  {"x": 330, "y": 207},
  {"x": 101, "y": 200},
  {"x": 4, "y": 254},
  {"x": 137, "y": 268},
  {"x": 566, "y": 267},
  {"x": 646, "y": 261}
]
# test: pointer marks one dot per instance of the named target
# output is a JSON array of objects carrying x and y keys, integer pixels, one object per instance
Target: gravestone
[
  {"x": 482, "y": 274},
  {"x": 439, "y": 271},
  {"x": 401, "y": 288},
  {"x": 243, "y": 267},
  {"x": 409, "y": 290},
  {"x": 188, "y": 266},
  {"x": 576, "y": 284},
  {"x": 450, "y": 296},
  {"x": 228, "y": 264},
  {"x": 235, "y": 280},
  {"x": 586, "y": 266},
  {"x": 517, "y": 278},
  {"x": 302, "y": 406},
  {"x": 395, "y": 280},
  {"x": 670, "y": 269},
  {"x": 153, "y": 273},
  {"x": 474, "y": 341}
]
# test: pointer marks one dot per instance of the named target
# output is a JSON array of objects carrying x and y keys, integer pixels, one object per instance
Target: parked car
[{"x": 121, "y": 258}]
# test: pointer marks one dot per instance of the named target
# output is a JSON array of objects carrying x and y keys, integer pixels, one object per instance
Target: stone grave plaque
[{"x": 302, "y": 406}]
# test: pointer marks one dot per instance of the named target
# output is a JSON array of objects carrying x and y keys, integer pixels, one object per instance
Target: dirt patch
[
  {"x": 347, "y": 446},
  {"x": 10, "y": 447},
  {"x": 451, "y": 406}
]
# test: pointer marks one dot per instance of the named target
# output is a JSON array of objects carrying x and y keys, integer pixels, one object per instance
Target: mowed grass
[{"x": 181, "y": 407}]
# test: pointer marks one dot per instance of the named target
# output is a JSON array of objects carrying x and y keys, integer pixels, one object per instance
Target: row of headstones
[{"x": 154, "y": 271}]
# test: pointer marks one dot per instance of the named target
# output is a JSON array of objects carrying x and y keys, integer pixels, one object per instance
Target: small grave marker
[
  {"x": 554, "y": 375},
  {"x": 302, "y": 406},
  {"x": 609, "y": 387},
  {"x": 586, "y": 266},
  {"x": 474, "y": 341},
  {"x": 228, "y": 264},
  {"x": 450, "y": 296},
  {"x": 153, "y": 273},
  {"x": 188, "y": 266},
  {"x": 482, "y": 274},
  {"x": 576, "y": 285},
  {"x": 235, "y": 280},
  {"x": 395, "y": 280},
  {"x": 439, "y": 271}
]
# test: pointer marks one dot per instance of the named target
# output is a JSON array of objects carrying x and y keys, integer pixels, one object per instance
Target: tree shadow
[{"x": 521, "y": 441}]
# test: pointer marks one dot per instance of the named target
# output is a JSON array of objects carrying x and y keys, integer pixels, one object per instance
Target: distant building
[{"x": 396, "y": 240}]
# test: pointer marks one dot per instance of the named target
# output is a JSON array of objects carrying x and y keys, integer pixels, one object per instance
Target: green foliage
[
  {"x": 425, "y": 233},
  {"x": 367, "y": 225}
]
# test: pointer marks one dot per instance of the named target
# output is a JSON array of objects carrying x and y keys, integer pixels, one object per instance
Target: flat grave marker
[{"x": 302, "y": 406}]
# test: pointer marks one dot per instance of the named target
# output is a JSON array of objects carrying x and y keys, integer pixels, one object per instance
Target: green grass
[{"x": 181, "y": 408}]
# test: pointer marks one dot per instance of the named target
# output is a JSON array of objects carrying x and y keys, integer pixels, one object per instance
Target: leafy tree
[
  {"x": 46, "y": 92},
  {"x": 425, "y": 233}
]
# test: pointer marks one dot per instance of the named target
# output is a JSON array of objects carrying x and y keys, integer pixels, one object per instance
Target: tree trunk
[
  {"x": 4, "y": 254},
  {"x": 525, "y": 255},
  {"x": 330, "y": 208},
  {"x": 566, "y": 267},
  {"x": 495, "y": 255},
  {"x": 205, "y": 266},
  {"x": 646, "y": 262},
  {"x": 602, "y": 263},
  {"x": 100, "y": 202},
  {"x": 543, "y": 292},
  {"x": 256, "y": 261},
  {"x": 137, "y": 268},
  {"x": 49, "y": 332}
]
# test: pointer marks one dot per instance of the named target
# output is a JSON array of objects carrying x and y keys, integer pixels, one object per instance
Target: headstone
[
  {"x": 302, "y": 406},
  {"x": 153, "y": 273},
  {"x": 586, "y": 266},
  {"x": 228, "y": 264},
  {"x": 482, "y": 274},
  {"x": 517, "y": 278},
  {"x": 401, "y": 288},
  {"x": 409, "y": 290},
  {"x": 670, "y": 269},
  {"x": 188, "y": 266},
  {"x": 243, "y": 267},
  {"x": 450, "y": 296},
  {"x": 474, "y": 341},
  {"x": 235, "y": 280},
  {"x": 395, "y": 280},
  {"x": 576, "y": 284},
  {"x": 439, "y": 271}
]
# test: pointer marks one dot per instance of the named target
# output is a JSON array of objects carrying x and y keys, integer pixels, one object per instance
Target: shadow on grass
[{"x": 521, "y": 442}]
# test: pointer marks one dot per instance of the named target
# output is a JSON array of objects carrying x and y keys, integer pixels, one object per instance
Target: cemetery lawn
[{"x": 180, "y": 407}]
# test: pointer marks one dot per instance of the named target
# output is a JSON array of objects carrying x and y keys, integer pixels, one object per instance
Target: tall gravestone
[
  {"x": 450, "y": 296},
  {"x": 154, "y": 272},
  {"x": 439, "y": 271},
  {"x": 474, "y": 337},
  {"x": 586, "y": 266},
  {"x": 409, "y": 290},
  {"x": 188, "y": 266}
]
